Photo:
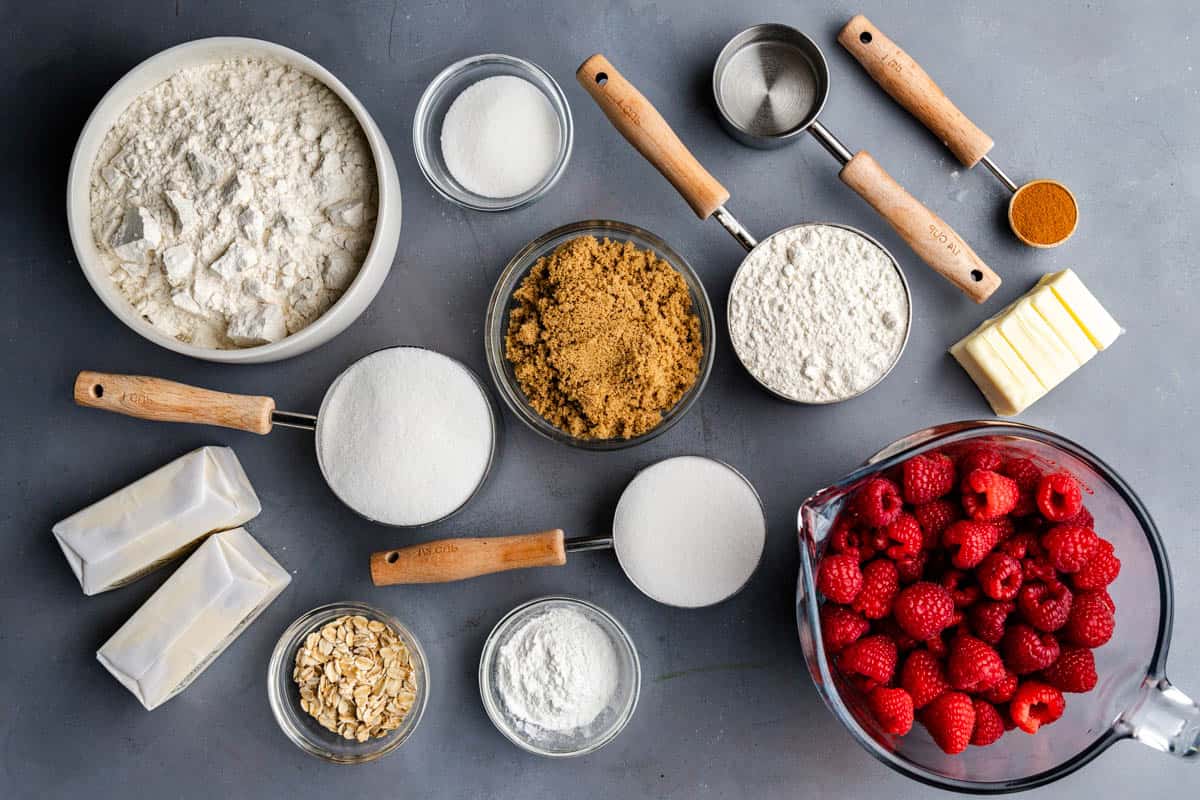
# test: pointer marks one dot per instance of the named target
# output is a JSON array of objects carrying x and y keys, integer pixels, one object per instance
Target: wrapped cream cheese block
[
  {"x": 157, "y": 518},
  {"x": 193, "y": 617},
  {"x": 1033, "y": 345}
]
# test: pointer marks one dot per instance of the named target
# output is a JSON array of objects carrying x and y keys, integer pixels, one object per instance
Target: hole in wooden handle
[
  {"x": 865, "y": 37},
  {"x": 97, "y": 390},
  {"x": 601, "y": 78},
  {"x": 392, "y": 557}
]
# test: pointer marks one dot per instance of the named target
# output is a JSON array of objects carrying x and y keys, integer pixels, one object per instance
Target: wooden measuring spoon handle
[
  {"x": 166, "y": 401},
  {"x": 456, "y": 559},
  {"x": 930, "y": 238},
  {"x": 644, "y": 128},
  {"x": 910, "y": 86}
]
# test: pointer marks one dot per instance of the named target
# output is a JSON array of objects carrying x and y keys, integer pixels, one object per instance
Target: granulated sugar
[
  {"x": 818, "y": 313},
  {"x": 689, "y": 531},
  {"x": 405, "y": 436}
]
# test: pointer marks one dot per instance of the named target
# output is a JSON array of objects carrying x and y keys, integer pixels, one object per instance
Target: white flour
[
  {"x": 558, "y": 671},
  {"x": 405, "y": 436},
  {"x": 234, "y": 202},
  {"x": 818, "y": 313}
]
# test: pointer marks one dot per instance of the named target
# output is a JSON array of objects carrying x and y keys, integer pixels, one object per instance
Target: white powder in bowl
[
  {"x": 818, "y": 313},
  {"x": 404, "y": 436},
  {"x": 500, "y": 137},
  {"x": 689, "y": 531}
]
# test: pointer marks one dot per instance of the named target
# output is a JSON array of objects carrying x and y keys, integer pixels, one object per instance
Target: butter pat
[
  {"x": 193, "y": 617},
  {"x": 156, "y": 519}
]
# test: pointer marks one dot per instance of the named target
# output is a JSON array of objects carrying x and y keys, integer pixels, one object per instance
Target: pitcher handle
[{"x": 1164, "y": 718}]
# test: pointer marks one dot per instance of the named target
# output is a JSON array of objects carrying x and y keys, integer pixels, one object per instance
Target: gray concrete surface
[{"x": 1100, "y": 95}]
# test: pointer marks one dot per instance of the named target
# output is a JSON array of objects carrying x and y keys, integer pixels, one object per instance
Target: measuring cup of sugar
[{"x": 688, "y": 531}]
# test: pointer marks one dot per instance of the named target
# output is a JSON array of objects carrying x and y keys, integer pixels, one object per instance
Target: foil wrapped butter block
[
  {"x": 193, "y": 617},
  {"x": 156, "y": 519}
]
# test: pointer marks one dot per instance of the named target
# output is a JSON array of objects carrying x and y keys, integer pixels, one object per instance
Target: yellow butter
[
  {"x": 1046, "y": 303},
  {"x": 1096, "y": 322},
  {"x": 996, "y": 368},
  {"x": 1037, "y": 344}
]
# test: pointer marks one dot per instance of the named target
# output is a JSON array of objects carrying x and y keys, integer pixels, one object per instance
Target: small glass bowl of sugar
[{"x": 493, "y": 132}]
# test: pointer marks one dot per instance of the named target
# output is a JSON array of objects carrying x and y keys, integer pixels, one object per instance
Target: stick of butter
[
  {"x": 193, "y": 617},
  {"x": 156, "y": 519},
  {"x": 1034, "y": 344}
]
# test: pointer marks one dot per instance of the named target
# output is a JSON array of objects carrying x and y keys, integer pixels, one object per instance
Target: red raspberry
[
  {"x": 961, "y": 591},
  {"x": 869, "y": 662},
  {"x": 923, "y": 610},
  {"x": 973, "y": 665},
  {"x": 1069, "y": 546},
  {"x": 1059, "y": 497},
  {"x": 950, "y": 720},
  {"x": 839, "y": 577},
  {"x": 1036, "y": 704},
  {"x": 1100, "y": 570},
  {"x": 988, "y": 495},
  {"x": 1084, "y": 518},
  {"x": 881, "y": 581},
  {"x": 1106, "y": 598},
  {"x": 988, "y": 619},
  {"x": 1022, "y": 544},
  {"x": 1075, "y": 670},
  {"x": 999, "y": 576},
  {"x": 981, "y": 457},
  {"x": 892, "y": 708},
  {"x": 912, "y": 568},
  {"x": 1091, "y": 621},
  {"x": 988, "y": 725},
  {"x": 904, "y": 537},
  {"x": 1027, "y": 476},
  {"x": 923, "y": 678},
  {"x": 1003, "y": 690},
  {"x": 1039, "y": 568},
  {"x": 928, "y": 477},
  {"x": 888, "y": 627},
  {"x": 1045, "y": 606},
  {"x": 968, "y": 542},
  {"x": 1026, "y": 650},
  {"x": 840, "y": 627},
  {"x": 934, "y": 518},
  {"x": 849, "y": 537},
  {"x": 878, "y": 502}
]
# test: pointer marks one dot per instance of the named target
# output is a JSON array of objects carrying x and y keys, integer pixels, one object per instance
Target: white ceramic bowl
[{"x": 153, "y": 71}]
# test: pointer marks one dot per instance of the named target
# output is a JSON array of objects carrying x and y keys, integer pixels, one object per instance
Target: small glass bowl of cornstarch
[{"x": 819, "y": 313}]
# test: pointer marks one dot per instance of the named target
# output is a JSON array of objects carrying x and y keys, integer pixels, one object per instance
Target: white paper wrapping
[
  {"x": 193, "y": 617},
  {"x": 156, "y": 519}
]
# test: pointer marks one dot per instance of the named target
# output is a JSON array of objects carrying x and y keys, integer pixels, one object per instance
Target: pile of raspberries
[{"x": 967, "y": 591}]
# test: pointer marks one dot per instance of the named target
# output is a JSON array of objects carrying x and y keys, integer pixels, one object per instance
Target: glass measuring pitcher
[{"x": 1133, "y": 699}]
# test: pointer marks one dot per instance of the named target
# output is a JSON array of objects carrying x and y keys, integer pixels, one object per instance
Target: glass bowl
[
  {"x": 442, "y": 92},
  {"x": 303, "y": 730},
  {"x": 496, "y": 325},
  {"x": 596, "y": 734},
  {"x": 1133, "y": 699}
]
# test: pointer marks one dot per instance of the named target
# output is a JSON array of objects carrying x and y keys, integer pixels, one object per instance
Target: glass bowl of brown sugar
[{"x": 599, "y": 335}]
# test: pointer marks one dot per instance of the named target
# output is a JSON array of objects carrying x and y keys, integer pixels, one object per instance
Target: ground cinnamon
[
  {"x": 603, "y": 338},
  {"x": 1043, "y": 213}
]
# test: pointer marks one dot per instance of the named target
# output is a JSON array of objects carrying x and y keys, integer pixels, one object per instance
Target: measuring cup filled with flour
[
  {"x": 688, "y": 531},
  {"x": 405, "y": 436}
]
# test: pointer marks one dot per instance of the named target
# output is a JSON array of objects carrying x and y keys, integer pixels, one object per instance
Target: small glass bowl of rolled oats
[{"x": 348, "y": 683}]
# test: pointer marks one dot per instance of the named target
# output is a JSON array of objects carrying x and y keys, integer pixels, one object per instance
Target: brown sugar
[{"x": 603, "y": 338}]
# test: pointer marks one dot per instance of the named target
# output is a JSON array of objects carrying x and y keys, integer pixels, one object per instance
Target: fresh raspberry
[
  {"x": 1026, "y": 650},
  {"x": 988, "y": 619},
  {"x": 950, "y": 720},
  {"x": 1039, "y": 568},
  {"x": 888, "y": 627},
  {"x": 1074, "y": 671},
  {"x": 1091, "y": 621},
  {"x": 999, "y": 576},
  {"x": 912, "y": 568},
  {"x": 878, "y": 502},
  {"x": 973, "y": 665},
  {"x": 1059, "y": 497},
  {"x": 1022, "y": 544},
  {"x": 923, "y": 677},
  {"x": 892, "y": 708},
  {"x": 850, "y": 537},
  {"x": 962, "y": 592},
  {"x": 988, "y": 725},
  {"x": 928, "y": 477},
  {"x": 1045, "y": 606},
  {"x": 1027, "y": 477},
  {"x": 1084, "y": 518},
  {"x": 1036, "y": 704},
  {"x": 1003, "y": 690},
  {"x": 1106, "y": 598},
  {"x": 923, "y": 610},
  {"x": 934, "y": 518},
  {"x": 840, "y": 627},
  {"x": 988, "y": 495},
  {"x": 969, "y": 541},
  {"x": 839, "y": 577},
  {"x": 1100, "y": 570},
  {"x": 904, "y": 537},
  {"x": 869, "y": 662},
  {"x": 881, "y": 581},
  {"x": 1069, "y": 546},
  {"x": 982, "y": 457}
]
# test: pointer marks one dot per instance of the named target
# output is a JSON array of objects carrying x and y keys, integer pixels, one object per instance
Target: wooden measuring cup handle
[
  {"x": 456, "y": 559},
  {"x": 166, "y": 401},
  {"x": 910, "y": 86},
  {"x": 641, "y": 124},
  {"x": 930, "y": 238}
]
